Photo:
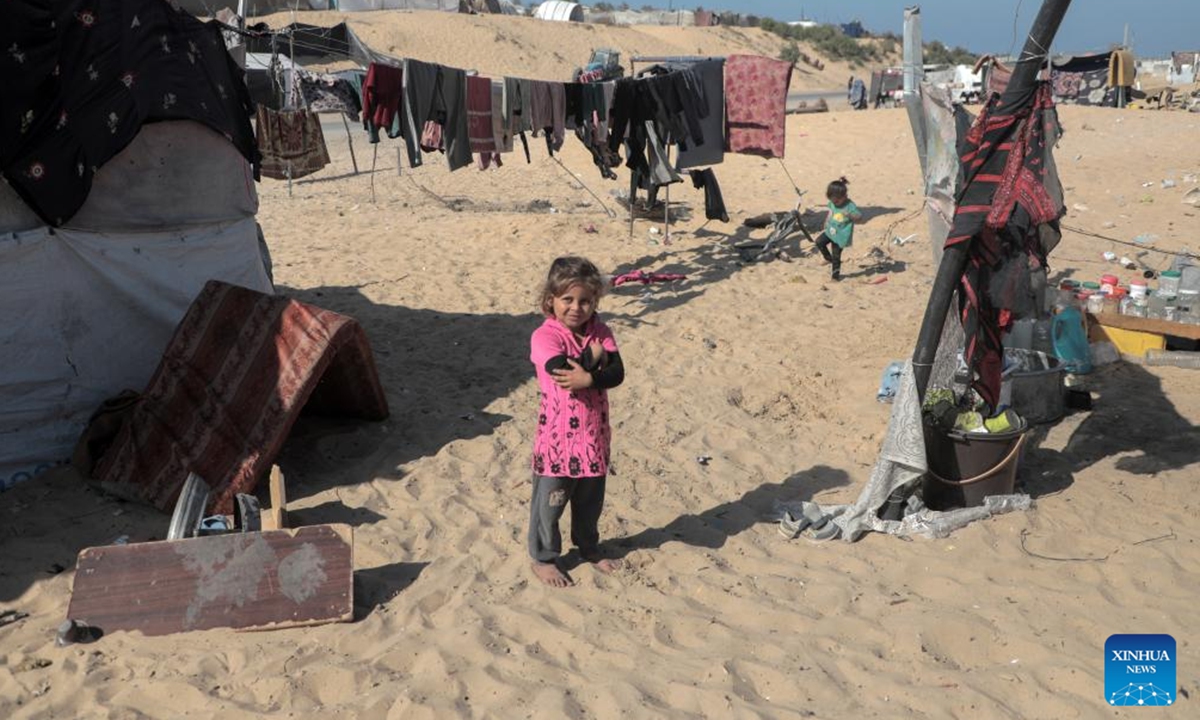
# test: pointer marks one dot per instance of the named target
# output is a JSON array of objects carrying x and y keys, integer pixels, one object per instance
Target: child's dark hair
[
  {"x": 565, "y": 272},
  {"x": 837, "y": 188}
]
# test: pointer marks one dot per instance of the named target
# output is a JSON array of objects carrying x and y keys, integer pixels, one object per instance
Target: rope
[
  {"x": 1127, "y": 243},
  {"x": 582, "y": 184},
  {"x": 799, "y": 192}
]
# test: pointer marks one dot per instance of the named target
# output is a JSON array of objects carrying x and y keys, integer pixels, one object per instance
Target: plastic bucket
[{"x": 964, "y": 468}]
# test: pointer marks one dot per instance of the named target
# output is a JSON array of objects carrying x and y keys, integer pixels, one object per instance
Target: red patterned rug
[{"x": 234, "y": 378}]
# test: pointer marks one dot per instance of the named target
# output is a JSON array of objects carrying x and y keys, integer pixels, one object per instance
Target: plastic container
[
  {"x": 1095, "y": 303},
  {"x": 1138, "y": 307},
  {"x": 1037, "y": 395},
  {"x": 1137, "y": 289},
  {"x": 1108, "y": 283},
  {"x": 1168, "y": 282},
  {"x": 1043, "y": 336},
  {"x": 965, "y": 468},
  {"x": 1178, "y": 358},
  {"x": 1070, "y": 342},
  {"x": 1189, "y": 278},
  {"x": 1157, "y": 303},
  {"x": 1188, "y": 301},
  {"x": 1021, "y": 335}
]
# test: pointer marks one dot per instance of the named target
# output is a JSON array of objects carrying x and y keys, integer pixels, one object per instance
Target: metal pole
[
  {"x": 954, "y": 259},
  {"x": 667, "y": 207},
  {"x": 350, "y": 140}
]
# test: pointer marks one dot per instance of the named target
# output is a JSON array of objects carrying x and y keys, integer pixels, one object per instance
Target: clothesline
[{"x": 289, "y": 33}]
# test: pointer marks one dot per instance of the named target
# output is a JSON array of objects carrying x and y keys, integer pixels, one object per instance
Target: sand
[{"x": 768, "y": 368}]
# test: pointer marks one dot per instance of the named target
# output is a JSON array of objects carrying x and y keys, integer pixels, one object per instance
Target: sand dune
[
  {"x": 768, "y": 368},
  {"x": 544, "y": 50}
]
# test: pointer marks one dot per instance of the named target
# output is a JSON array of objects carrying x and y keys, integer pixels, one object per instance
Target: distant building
[
  {"x": 804, "y": 23},
  {"x": 853, "y": 29}
]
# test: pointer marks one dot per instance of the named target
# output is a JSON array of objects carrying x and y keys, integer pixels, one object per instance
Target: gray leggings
[{"x": 550, "y": 498}]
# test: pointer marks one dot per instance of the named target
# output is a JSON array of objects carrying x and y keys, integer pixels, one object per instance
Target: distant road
[{"x": 835, "y": 98}]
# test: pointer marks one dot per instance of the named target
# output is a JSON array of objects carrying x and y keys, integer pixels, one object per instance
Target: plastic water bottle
[{"x": 1043, "y": 339}]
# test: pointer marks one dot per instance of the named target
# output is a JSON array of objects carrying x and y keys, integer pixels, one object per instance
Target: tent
[
  {"x": 366, "y": 5},
  {"x": 1103, "y": 79},
  {"x": 89, "y": 303},
  {"x": 1185, "y": 68},
  {"x": 561, "y": 11}
]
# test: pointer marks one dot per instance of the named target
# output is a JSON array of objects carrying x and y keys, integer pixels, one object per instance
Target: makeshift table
[{"x": 1135, "y": 335}]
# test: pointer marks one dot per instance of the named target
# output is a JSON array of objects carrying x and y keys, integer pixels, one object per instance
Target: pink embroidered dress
[{"x": 573, "y": 434}]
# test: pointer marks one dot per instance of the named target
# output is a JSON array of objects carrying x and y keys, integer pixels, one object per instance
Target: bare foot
[
  {"x": 551, "y": 575},
  {"x": 603, "y": 564}
]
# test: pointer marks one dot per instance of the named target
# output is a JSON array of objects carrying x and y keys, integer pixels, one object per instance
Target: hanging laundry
[
  {"x": 79, "y": 85},
  {"x": 501, "y": 120},
  {"x": 714, "y": 204},
  {"x": 291, "y": 143},
  {"x": 431, "y": 137},
  {"x": 450, "y": 111},
  {"x": 382, "y": 94},
  {"x": 420, "y": 93},
  {"x": 548, "y": 111},
  {"x": 678, "y": 103},
  {"x": 329, "y": 93},
  {"x": 710, "y": 151},
  {"x": 479, "y": 114},
  {"x": 755, "y": 104}
]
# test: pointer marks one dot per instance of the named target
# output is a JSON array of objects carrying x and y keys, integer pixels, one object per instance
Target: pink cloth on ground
[
  {"x": 573, "y": 435},
  {"x": 755, "y": 104}
]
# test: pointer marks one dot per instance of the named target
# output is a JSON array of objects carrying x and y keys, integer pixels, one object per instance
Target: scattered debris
[
  {"x": 33, "y": 663},
  {"x": 75, "y": 631},
  {"x": 704, "y": 459},
  {"x": 11, "y": 616},
  {"x": 710, "y": 344}
]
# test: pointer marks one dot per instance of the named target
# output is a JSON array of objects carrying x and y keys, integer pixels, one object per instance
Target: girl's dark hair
[
  {"x": 837, "y": 188},
  {"x": 565, "y": 272}
]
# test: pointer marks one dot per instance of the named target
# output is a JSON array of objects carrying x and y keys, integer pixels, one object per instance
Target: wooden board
[
  {"x": 278, "y": 499},
  {"x": 259, "y": 581},
  {"x": 1146, "y": 325}
]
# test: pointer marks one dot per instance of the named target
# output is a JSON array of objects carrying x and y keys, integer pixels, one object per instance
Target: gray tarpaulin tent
[{"x": 86, "y": 309}]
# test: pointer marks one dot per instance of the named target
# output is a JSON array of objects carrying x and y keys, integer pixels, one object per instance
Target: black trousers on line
[
  {"x": 831, "y": 251},
  {"x": 550, "y": 498}
]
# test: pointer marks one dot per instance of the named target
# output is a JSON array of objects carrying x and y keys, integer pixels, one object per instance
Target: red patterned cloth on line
[
  {"x": 232, "y": 382},
  {"x": 479, "y": 115},
  {"x": 755, "y": 104},
  {"x": 291, "y": 143}
]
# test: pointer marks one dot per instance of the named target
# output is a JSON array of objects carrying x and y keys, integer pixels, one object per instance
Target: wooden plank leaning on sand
[{"x": 246, "y": 581}]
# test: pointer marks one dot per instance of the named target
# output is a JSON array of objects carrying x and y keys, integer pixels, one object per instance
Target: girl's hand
[
  {"x": 598, "y": 353},
  {"x": 576, "y": 378}
]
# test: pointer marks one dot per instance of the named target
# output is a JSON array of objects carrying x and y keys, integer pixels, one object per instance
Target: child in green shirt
[{"x": 839, "y": 225}]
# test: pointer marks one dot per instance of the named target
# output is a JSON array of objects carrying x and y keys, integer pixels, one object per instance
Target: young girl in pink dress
[{"x": 576, "y": 359}]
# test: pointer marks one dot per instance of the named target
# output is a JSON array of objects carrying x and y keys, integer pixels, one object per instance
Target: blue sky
[{"x": 1156, "y": 26}]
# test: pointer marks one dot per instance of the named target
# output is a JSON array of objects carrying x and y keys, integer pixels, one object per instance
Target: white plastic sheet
[{"x": 85, "y": 315}]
